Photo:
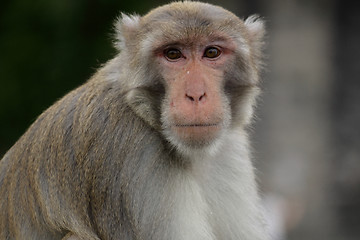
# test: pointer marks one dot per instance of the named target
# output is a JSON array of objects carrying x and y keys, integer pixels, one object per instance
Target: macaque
[{"x": 154, "y": 145}]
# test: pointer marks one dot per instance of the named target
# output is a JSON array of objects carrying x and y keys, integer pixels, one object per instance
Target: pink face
[{"x": 194, "y": 79}]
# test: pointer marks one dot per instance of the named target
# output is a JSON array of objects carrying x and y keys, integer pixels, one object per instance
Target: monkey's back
[{"x": 49, "y": 176}]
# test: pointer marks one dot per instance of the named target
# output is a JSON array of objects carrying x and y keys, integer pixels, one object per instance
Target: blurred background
[{"x": 306, "y": 136}]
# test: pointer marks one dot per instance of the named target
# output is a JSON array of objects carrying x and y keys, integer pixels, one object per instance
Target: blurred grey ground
[{"x": 306, "y": 137}]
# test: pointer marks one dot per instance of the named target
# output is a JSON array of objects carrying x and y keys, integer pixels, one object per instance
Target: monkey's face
[
  {"x": 203, "y": 58},
  {"x": 195, "y": 110}
]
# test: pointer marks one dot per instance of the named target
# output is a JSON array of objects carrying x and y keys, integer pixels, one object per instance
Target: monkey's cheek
[{"x": 197, "y": 136}]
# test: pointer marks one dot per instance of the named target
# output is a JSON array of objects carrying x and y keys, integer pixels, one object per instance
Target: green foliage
[{"x": 48, "y": 48}]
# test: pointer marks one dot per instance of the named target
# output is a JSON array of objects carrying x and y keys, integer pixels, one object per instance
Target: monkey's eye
[
  {"x": 212, "y": 52},
  {"x": 172, "y": 54}
]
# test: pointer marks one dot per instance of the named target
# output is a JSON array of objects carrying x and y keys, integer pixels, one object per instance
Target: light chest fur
[{"x": 215, "y": 200}]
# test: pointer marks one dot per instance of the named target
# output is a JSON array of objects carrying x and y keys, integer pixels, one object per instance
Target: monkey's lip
[
  {"x": 196, "y": 134},
  {"x": 197, "y": 125}
]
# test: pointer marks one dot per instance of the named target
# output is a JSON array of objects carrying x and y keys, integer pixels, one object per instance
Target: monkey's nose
[{"x": 195, "y": 97}]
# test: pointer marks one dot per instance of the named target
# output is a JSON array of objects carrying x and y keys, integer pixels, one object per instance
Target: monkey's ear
[
  {"x": 126, "y": 26},
  {"x": 256, "y": 28}
]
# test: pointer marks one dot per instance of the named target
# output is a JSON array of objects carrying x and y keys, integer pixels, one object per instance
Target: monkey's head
[{"x": 193, "y": 71}]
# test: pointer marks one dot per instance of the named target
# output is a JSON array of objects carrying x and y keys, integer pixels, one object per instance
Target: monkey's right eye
[{"x": 172, "y": 54}]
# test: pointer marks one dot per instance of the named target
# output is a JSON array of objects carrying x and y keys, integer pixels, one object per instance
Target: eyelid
[
  {"x": 175, "y": 49},
  {"x": 218, "y": 49}
]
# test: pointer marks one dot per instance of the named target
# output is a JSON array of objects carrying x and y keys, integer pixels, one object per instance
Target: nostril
[
  {"x": 196, "y": 98},
  {"x": 190, "y": 97},
  {"x": 202, "y": 97}
]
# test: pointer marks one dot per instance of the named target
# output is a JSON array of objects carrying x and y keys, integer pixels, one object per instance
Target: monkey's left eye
[
  {"x": 212, "y": 52},
  {"x": 172, "y": 54}
]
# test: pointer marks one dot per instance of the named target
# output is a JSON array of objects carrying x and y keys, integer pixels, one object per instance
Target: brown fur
[{"x": 96, "y": 164}]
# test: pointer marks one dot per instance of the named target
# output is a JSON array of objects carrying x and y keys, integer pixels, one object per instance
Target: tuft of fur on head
[
  {"x": 255, "y": 25},
  {"x": 125, "y": 26},
  {"x": 256, "y": 30}
]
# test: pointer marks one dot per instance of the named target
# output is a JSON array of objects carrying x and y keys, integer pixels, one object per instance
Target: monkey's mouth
[
  {"x": 197, "y": 125},
  {"x": 197, "y": 134}
]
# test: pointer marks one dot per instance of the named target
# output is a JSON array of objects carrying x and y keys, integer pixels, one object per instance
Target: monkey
[{"x": 154, "y": 145}]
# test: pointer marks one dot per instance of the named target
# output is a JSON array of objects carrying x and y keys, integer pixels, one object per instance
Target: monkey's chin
[{"x": 195, "y": 137}]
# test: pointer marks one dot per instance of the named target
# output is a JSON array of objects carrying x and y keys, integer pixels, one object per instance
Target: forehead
[{"x": 191, "y": 21}]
